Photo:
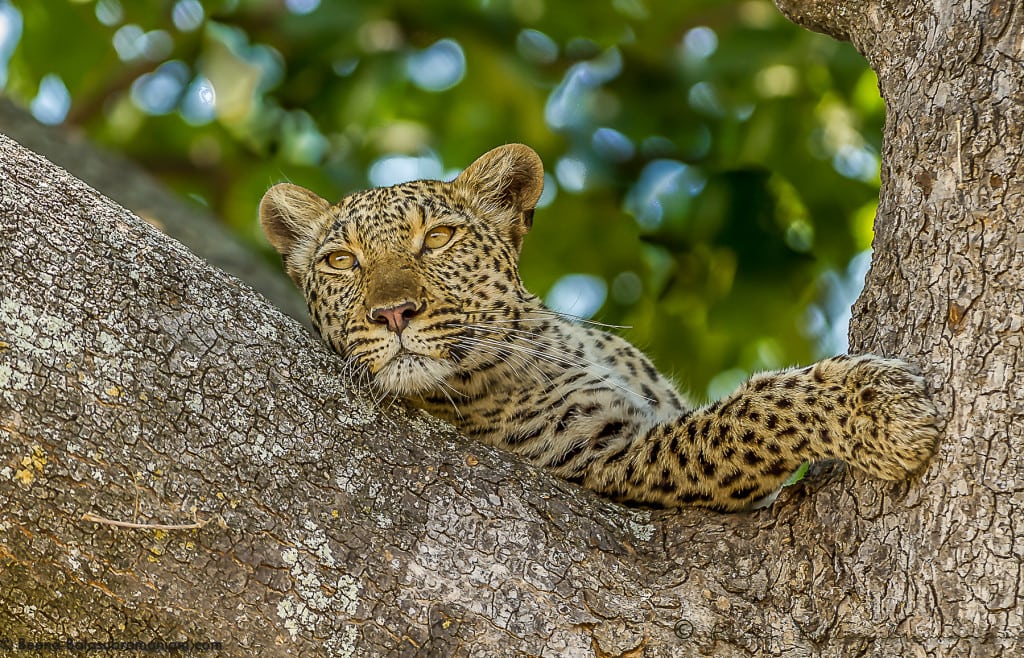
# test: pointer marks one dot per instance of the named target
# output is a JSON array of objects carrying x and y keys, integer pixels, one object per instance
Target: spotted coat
[{"x": 417, "y": 286}]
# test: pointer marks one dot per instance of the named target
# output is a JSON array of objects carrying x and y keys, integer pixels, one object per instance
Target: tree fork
[
  {"x": 139, "y": 385},
  {"x": 946, "y": 287}
]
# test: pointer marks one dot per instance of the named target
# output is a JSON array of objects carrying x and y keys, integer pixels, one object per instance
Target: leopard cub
[{"x": 417, "y": 287}]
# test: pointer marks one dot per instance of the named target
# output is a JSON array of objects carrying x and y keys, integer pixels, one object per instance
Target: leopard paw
[{"x": 893, "y": 425}]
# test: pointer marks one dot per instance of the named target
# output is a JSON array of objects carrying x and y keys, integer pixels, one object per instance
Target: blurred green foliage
[{"x": 713, "y": 168}]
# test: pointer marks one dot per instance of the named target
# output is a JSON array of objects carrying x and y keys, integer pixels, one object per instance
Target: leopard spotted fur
[{"x": 417, "y": 286}]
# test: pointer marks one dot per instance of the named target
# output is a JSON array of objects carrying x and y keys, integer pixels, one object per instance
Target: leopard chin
[{"x": 413, "y": 374}]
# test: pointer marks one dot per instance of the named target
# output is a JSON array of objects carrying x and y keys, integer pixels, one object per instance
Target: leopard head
[{"x": 411, "y": 282}]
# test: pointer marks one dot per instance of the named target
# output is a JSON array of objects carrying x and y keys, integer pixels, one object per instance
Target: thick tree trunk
[
  {"x": 946, "y": 288},
  {"x": 138, "y": 384}
]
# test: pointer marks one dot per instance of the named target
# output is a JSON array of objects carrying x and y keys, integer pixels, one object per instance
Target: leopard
[{"x": 417, "y": 287}]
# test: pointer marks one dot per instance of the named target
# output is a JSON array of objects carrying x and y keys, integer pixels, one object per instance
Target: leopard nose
[{"x": 396, "y": 317}]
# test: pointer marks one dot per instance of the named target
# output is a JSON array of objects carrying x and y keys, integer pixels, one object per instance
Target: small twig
[{"x": 198, "y": 523}]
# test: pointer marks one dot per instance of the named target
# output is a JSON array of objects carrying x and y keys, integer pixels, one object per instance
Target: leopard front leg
[{"x": 870, "y": 412}]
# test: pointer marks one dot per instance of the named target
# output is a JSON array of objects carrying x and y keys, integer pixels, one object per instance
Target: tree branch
[
  {"x": 137, "y": 382},
  {"x": 826, "y": 16},
  {"x": 126, "y": 183},
  {"x": 134, "y": 375}
]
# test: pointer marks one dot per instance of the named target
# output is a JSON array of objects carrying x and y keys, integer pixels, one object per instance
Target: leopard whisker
[
  {"x": 505, "y": 352},
  {"x": 444, "y": 387},
  {"x": 521, "y": 334},
  {"x": 506, "y": 356},
  {"x": 474, "y": 343},
  {"x": 532, "y": 338},
  {"x": 561, "y": 360},
  {"x": 547, "y": 314},
  {"x": 387, "y": 405}
]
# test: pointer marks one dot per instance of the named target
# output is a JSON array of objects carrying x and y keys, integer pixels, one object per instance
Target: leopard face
[{"x": 403, "y": 280}]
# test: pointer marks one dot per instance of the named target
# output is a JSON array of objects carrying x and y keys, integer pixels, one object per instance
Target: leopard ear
[
  {"x": 510, "y": 177},
  {"x": 292, "y": 218}
]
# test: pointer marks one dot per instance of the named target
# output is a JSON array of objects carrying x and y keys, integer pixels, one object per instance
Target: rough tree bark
[
  {"x": 946, "y": 288},
  {"x": 139, "y": 384},
  {"x": 126, "y": 183}
]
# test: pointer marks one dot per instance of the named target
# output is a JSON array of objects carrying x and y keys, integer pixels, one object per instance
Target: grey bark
[
  {"x": 124, "y": 182},
  {"x": 139, "y": 384}
]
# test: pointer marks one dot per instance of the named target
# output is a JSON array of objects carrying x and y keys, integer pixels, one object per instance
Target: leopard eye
[
  {"x": 438, "y": 237},
  {"x": 340, "y": 260}
]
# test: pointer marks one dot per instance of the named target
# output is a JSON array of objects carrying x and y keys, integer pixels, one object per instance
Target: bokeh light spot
[
  {"x": 859, "y": 163},
  {"x": 199, "y": 105},
  {"x": 776, "y": 81},
  {"x": 550, "y": 192},
  {"x": 158, "y": 92},
  {"x": 131, "y": 43},
  {"x": 187, "y": 15},
  {"x": 52, "y": 102},
  {"x": 703, "y": 98},
  {"x": 581, "y": 295},
  {"x": 565, "y": 103},
  {"x": 439, "y": 67},
  {"x": 662, "y": 183},
  {"x": 537, "y": 47},
  {"x": 612, "y": 145},
  {"x": 302, "y": 7},
  {"x": 571, "y": 173},
  {"x": 345, "y": 67},
  {"x": 700, "y": 42},
  {"x": 380, "y": 36},
  {"x": 395, "y": 169},
  {"x": 109, "y": 12},
  {"x": 10, "y": 35}
]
